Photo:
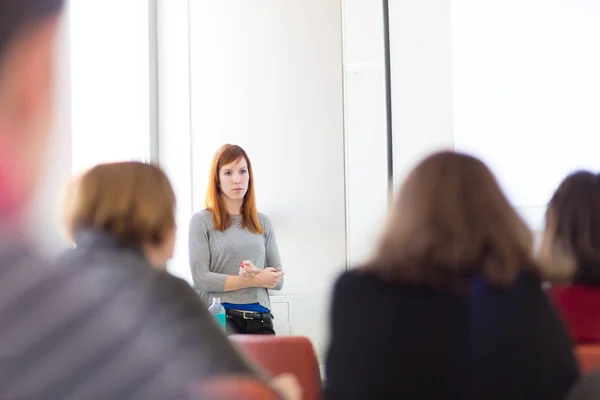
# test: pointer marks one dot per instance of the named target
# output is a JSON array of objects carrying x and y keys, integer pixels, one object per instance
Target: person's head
[
  {"x": 452, "y": 221},
  {"x": 28, "y": 33},
  {"x": 131, "y": 201},
  {"x": 231, "y": 180},
  {"x": 570, "y": 248}
]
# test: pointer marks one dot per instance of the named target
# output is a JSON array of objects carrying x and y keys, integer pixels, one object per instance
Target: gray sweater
[
  {"x": 101, "y": 323},
  {"x": 214, "y": 255}
]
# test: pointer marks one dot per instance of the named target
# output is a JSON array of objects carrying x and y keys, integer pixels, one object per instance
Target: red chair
[
  {"x": 284, "y": 354},
  {"x": 233, "y": 388},
  {"x": 588, "y": 356}
]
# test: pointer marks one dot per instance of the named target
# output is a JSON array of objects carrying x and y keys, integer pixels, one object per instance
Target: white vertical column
[
  {"x": 365, "y": 125},
  {"x": 421, "y": 69},
  {"x": 174, "y": 128}
]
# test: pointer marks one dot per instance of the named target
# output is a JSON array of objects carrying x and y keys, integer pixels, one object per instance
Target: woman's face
[{"x": 234, "y": 179}]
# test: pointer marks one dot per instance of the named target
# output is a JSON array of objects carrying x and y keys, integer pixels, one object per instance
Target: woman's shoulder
[
  {"x": 263, "y": 218},
  {"x": 353, "y": 289},
  {"x": 362, "y": 278},
  {"x": 121, "y": 262},
  {"x": 354, "y": 277},
  {"x": 178, "y": 284},
  {"x": 203, "y": 214},
  {"x": 368, "y": 281},
  {"x": 264, "y": 221},
  {"x": 203, "y": 218},
  {"x": 364, "y": 289}
]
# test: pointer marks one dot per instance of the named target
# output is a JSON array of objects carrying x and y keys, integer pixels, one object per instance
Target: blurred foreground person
[{"x": 451, "y": 304}]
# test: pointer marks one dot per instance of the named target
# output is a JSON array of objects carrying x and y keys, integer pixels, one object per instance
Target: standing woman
[{"x": 233, "y": 251}]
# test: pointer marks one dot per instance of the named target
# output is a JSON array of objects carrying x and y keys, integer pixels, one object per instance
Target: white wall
[
  {"x": 527, "y": 98},
  {"x": 174, "y": 122},
  {"x": 421, "y": 79},
  {"x": 524, "y": 99}
]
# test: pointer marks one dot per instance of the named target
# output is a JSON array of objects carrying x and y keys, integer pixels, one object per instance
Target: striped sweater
[{"x": 101, "y": 323}]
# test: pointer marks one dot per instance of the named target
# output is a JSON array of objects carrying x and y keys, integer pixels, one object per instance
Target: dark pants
[{"x": 262, "y": 325}]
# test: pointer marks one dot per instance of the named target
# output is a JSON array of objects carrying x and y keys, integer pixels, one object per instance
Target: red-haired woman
[{"x": 233, "y": 251}]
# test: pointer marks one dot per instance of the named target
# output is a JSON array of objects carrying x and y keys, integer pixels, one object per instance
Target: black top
[
  {"x": 395, "y": 341},
  {"x": 102, "y": 324}
]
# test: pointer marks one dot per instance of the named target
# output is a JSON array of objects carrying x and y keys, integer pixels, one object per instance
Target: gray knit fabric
[{"x": 214, "y": 255}]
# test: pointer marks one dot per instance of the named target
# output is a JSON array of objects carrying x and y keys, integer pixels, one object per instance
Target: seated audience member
[
  {"x": 570, "y": 254},
  {"x": 451, "y": 304},
  {"x": 127, "y": 208}
]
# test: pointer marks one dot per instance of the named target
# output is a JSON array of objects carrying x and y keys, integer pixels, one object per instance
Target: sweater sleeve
[
  {"x": 272, "y": 257},
  {"x": 199, "y": 250}
]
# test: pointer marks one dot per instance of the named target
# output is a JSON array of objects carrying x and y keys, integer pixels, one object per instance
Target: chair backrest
[
  {"x": 233, "y": 388},
  {"x": 588, "y": 356},
  {"x": 285, "y": 354}
]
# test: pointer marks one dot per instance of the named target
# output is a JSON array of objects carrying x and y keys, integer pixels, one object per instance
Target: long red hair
[{"x": 227, "y": 154}]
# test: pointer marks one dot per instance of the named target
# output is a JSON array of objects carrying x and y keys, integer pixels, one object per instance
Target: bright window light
[
  {"x": 527, "y": 92},
  {"x": 110, "y": 91}
]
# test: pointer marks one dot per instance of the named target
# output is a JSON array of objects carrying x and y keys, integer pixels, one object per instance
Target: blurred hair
[
  {"x": 131, "y": 201},
  {"x": 16, "y": 16},
  {"x": 570, "y": 248},
  {"x": 450, "y": 221},
  {"x": 227, "y": 154}
]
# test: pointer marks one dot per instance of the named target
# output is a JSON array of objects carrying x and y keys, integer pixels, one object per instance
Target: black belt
[{"x": 248, "y": 314}]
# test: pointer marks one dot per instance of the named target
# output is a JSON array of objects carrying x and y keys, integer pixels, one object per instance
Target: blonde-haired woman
[
  {"x": 451, "y": 305},
  {"x": 233, "y": 250}
]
